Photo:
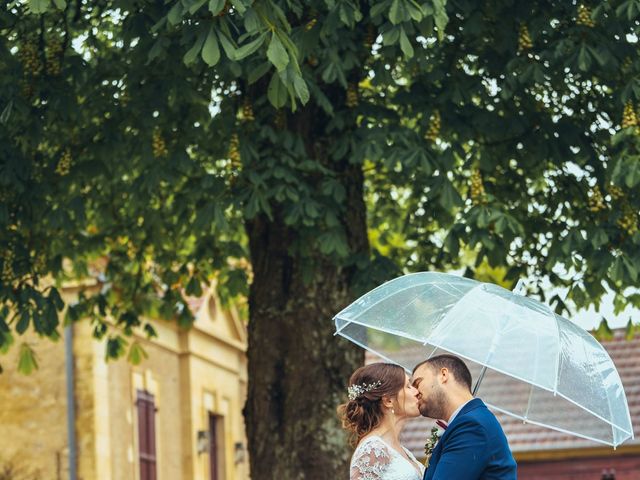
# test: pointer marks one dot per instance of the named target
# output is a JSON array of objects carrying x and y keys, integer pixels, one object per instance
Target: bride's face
[{"x": 408, "y": 400}]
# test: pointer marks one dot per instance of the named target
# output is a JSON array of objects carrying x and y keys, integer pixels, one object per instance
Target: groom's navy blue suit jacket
[{"x": 473, "y": 447}]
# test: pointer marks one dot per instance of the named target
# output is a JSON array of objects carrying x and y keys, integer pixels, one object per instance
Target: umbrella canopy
[{"x": 560, "y": 377}]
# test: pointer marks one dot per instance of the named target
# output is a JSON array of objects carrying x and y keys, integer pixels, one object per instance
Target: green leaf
[
  {"x": 277, "y": 54},
  {"x": 440, "y": 16},
  {"x": 398, "y": 12},
  {"x": 631, "y": 269},
  {"x": 60, "y": 4},
  {"x": 216, "y": 6},
  {"x": 250, "y": 47},
  {"x": 196, "y": 6},
  {"x": 599, "y": 238},
  {"x": 449, "y": 196},
  {"x": 630, "y": 330},
  {"x": 6, "y": 340},
  {"x": 632, "y": 175},
  {"x": 277, "y": 91},
  {"x": 258, "y": 72},
  {"x": 378, "y": 8},
  {"x": 301, "y": 89},
  {"x": 23, "y": 323},
  {"x": 211, "y": 49},
  {"x": 603, "y": 332},
  {"x": 227, "y": 46},
  {"x": 584, "y": 58},
  {"x": 6, "y": 113},
  {"x": 174, "y": 16},
  {"x": 39, "y": 6},
  {"x": 391, "y": 36},
  {"x": 27, "y": 361},
  {"x": 405, "y": 44},
  {"x": 239, "y": 6},
  {"x": 616, "y": 270},
  {"x": 194, "y": 288},
  {"x": 192, "y": 54},
  {"x": 136, "y": 353},
  {"x": 115, "y": 346},
  {"x": 55, "y": 297}
]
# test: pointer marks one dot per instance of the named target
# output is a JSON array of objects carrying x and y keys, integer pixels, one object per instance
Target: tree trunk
[{"x": 298, "y": 370}]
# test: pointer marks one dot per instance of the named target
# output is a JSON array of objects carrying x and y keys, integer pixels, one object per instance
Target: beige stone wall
[
  {"x": 33, "y": 428},
  {"x": 159, "y": 374},
  {"x": 191, "y": 374},
  {"x": 84, "y": 355},
  {"x": 217, "y": 391}
]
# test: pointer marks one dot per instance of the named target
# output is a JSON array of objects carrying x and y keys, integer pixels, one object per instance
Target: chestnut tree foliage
[{"x": 300, "y": 153}]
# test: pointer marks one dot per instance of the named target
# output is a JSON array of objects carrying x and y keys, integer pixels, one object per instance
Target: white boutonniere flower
[{"x": 432, "y": 441}]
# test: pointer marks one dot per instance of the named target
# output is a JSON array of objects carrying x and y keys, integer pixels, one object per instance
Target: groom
[{"x": 473, "y": 446}]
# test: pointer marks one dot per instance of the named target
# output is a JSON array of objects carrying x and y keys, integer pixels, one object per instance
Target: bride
[{"x": 381, "y": 399}]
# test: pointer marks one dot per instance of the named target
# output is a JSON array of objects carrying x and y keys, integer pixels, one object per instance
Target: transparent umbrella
[{"x": 528, "y": 362}]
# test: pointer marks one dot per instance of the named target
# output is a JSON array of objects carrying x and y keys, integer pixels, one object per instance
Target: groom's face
[{"x": 431, "y": 395}]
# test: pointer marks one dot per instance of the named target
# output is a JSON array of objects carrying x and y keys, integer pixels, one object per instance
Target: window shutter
[
  {"x": 213, "y": 447},
  {"x": 146, "y": 435}
]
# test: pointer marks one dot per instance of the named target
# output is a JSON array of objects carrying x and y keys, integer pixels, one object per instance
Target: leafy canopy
[{"x": 138, "y": 138}]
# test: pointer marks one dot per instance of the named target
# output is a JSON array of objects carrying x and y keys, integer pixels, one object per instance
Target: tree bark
[{"x": 298, "y": 370}]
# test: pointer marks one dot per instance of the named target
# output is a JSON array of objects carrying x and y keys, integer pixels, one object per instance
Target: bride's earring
[{"x": 393, "y": 412}]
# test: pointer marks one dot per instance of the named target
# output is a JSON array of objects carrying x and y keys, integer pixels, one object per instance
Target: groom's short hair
[{"x": 456, "y": 366}]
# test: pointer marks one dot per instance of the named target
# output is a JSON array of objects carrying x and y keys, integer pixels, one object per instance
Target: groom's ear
[{"x": 444, "y": 375}]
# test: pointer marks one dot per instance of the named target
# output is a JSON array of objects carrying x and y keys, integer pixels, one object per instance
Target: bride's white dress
[{"x": 375, "y": 460}]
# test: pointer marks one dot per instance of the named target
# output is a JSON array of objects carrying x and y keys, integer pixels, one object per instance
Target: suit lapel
[{"x": 435, "y": 455}]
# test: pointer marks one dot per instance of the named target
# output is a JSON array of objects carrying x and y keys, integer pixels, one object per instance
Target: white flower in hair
[{"x": 356, "y": 390}]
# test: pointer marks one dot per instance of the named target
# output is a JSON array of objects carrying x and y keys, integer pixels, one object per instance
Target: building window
[
  {"x": 216, "y": 449},
  {"x": 146, "y": 435}
]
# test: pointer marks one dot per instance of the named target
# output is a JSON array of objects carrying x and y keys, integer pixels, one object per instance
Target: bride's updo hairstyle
[{"x": 364, "y": 411}]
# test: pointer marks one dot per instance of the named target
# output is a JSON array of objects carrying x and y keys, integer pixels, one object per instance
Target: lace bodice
[{"x": 375, "y": 460}]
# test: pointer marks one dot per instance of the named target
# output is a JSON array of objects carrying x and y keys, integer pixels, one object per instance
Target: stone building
[{"x": 177, "y": 415}]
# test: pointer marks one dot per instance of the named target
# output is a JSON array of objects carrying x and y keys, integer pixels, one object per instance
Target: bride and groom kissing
[{"x": 382, "y": 397}]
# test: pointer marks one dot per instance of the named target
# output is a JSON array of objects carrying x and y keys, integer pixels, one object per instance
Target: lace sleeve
[{"x": 370, "y": 460}]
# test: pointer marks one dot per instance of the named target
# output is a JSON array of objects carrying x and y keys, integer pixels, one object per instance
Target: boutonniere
[{"x": 432, "y": 441}]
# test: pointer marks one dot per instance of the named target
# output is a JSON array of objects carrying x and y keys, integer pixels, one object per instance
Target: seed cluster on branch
[
  {"x": 477, "y": 191},
  {"x": 596, "y": 200},
  {"x": 30, "y": 58},
  {"x": 616, "y": 192},
  {"x": 158, "y": 145},
  {"x": 247, "y": 111},
  {"x": 629, "y": 118},
  {"x": 629, "y": 220},
  {"x": 584, "y": 16},
  {"x": 433, "y": 132},
  {"x": 54, "y": 57},
  {"x": 64, "y": 165},
  {"x": 7, "y": 265},
  {"x": 524, "y": 39},
  {"x": 234, "y": 150},
  {"x": 352, "y": 96}
]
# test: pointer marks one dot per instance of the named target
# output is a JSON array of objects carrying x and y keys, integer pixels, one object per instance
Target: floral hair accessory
[{"x": 356, "y": 390}]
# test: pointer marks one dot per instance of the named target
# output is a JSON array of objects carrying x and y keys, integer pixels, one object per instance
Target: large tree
[{"x": 154, "y": 145}]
